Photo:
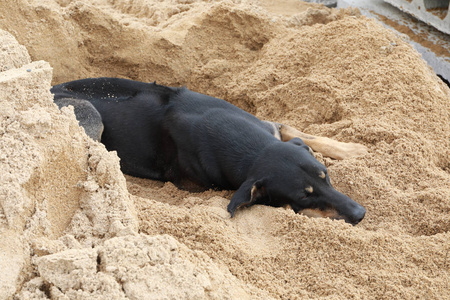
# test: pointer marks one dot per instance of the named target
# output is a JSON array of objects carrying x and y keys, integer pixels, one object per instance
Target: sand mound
[{"x": 72, "y": 226}]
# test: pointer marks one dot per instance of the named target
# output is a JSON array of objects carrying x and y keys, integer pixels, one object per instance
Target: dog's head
[{"x": 288, "y": 174}]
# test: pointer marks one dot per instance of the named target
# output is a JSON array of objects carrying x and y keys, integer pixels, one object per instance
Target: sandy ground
[{"x": 73, "y": 227}]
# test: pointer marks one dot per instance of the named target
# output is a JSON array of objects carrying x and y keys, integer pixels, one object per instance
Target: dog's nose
[{"x": 357, "y": 215}]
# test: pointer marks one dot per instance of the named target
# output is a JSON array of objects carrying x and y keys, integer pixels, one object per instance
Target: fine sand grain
[{"x": 73, "y": 227}]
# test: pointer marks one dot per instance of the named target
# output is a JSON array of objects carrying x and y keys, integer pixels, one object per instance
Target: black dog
[{"x": 174, "y": 134}]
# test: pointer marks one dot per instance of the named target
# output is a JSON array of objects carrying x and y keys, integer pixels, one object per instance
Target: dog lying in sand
[{"x": 174, "y": 134}]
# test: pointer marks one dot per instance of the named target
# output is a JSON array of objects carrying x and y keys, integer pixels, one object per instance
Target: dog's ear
[{"x": 248, "y": 194}]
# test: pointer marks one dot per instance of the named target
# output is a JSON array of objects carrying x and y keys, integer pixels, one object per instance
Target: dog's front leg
[{"x": 326, "y": 146}]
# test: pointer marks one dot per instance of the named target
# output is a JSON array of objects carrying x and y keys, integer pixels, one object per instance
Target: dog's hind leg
[
  {"x": 326, "y": 146},
  {"x": 87, "y": 116}
]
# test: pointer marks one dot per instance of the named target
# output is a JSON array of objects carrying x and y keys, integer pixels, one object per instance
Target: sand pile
[{"x": 69, "y": 227}]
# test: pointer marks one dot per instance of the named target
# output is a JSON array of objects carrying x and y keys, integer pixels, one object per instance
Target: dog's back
[{"x": 167, "y": 133}]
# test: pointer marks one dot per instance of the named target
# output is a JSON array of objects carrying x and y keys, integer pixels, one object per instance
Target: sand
[{"x": 72, "y": 226}]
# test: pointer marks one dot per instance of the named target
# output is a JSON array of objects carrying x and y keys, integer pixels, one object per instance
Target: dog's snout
[{"x": 357, "y": 215}]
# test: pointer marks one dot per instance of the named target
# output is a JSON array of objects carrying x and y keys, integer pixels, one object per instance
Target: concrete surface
[
  {"x": 431, "y": 43},
  {"x": 432, "y": 12}
]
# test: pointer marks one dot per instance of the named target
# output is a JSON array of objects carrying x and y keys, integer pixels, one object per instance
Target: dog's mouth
[
  {"x": 318, "y": 213},
  {"x": 328, "y": 213}
]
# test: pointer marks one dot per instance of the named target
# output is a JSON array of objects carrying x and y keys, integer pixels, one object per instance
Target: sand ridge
[{"x": 67, "y": 209}]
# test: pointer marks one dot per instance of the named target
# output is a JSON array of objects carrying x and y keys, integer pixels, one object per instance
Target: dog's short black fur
[{"x": 174, "y": 134}]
